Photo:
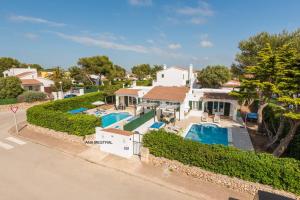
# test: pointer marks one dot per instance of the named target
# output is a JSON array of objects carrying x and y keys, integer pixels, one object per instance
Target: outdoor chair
[
  {"x": 204, "y": 117},
  {"x": 217, "y": 118}
]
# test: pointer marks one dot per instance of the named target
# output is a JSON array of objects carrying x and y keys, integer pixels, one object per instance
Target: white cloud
[
  {"x": 205, "y": 43},
  {"x": 31, "y": 36},
  {"x": 35, "y": 20},
  {"x": 202, "y": 9},
  {"x": 90, "y": 41},
  {"x": 197, "y": 20},
  {"x": 174, "y": 46},
  {"x": 150, "y": 41},
  {"x": 140, "y": 2}
]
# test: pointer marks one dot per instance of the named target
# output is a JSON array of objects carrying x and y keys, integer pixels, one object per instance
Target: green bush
[
  {"x": 144, "y": 82},
  {"x": 54, "y": 115},
  {"x": 281, "y": 173},
  {"x": 8, "y": 101},
  {"x": 31, "y": 96}
]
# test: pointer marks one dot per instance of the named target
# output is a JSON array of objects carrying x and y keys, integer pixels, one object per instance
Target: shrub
[
  {"x": 54, "y": 115},
  {"x": 31, "y": 96},
  {"x": 8, "y": 101},
  {"x": 281, "y": 173}
]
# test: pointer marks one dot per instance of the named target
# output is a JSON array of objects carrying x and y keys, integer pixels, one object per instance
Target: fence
[{"x": 139, "y": 121}]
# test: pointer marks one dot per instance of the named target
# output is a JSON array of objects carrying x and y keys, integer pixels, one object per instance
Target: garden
[{"x": 54, "y": 115}]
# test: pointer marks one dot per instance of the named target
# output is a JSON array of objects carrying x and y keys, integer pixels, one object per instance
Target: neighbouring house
[
  {"x": 175, "y": 90},
  {"x": 30, "y": 79},
  {"x": 232, "y": 84}
]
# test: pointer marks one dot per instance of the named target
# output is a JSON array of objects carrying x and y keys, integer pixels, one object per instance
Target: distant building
[{"x": 30, "y": 79}]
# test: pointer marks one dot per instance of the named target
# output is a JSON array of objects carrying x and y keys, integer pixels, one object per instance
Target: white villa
[
  {"x": 174, "y": 89},
  {"x": 30, "y": 79},
  {"x": 176, "y": 103}
]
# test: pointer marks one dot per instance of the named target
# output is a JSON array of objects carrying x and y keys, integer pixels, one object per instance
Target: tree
[
  {"x": 155, "y": 69},
  {"x": 252, "y": 46},
  {"x": 7, "y": 63},
  {"x": 141, "y": 70},
  {"x": 214, "y": 76},
  {"x": 57, "y": 74},
  {"x": 117, "y": 72},
  {"x": 10, "y": 87},
  {"x": 79, "y": 75},
  {"x": 34, "y": 66},
  {"x": 261, "y": 84},
  {"x": 98, "y": 65}
]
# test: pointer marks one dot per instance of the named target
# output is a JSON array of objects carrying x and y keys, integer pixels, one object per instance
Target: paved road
[{"x": 32, "y": 171}]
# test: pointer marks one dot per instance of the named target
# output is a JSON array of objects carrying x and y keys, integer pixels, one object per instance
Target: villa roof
[
  {"x": 118, "y": 131},
  {"x": 127, "y": 91},
  {"x": 213, "y": 95},
  {"x": 30, "y": 82},
  {"x": 232, "y": 83},
  {"x": 175, "y": 94},
  {"x": 23, "y": 74}
]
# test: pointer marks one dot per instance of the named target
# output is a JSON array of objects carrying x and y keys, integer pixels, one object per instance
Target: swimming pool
[
  {"x": 112, "y": 118},
  {"x": 208, "y": 134},
  {"x": 156, "y": 125}
]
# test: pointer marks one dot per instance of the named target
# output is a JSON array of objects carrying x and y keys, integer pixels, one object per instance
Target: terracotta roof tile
[
  {"x": 30, "y": 82},
  {"x": 176, "y": 94},
  {"x": 118, "y": 131},
  {"x": 126, "y": 91}
]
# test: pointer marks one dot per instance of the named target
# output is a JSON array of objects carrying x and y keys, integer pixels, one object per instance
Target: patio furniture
[
  {"x": 98, "y": 103},
  {"x": 204, "y": 117},
  {"x": 173, "y": 129},
  {"x": 217, "y": 118}
]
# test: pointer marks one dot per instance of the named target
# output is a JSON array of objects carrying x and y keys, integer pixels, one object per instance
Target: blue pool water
[
  {"x": 112, "y": 118},
  {"x": 208, "y": 134},
  {"x": 157, "y": 125}
]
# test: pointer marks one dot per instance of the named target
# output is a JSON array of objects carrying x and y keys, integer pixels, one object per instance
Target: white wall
[
  {"x": 172, "y": 77},
  {"x": 46, "y": 82},
  {"x": 16, "y": 71},
  {"x": 121, "y": 145}
]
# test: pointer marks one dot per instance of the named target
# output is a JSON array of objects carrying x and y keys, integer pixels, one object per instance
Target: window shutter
[
  {"x": 191, "y": 104},
  {"x": 200, "y": 105}
]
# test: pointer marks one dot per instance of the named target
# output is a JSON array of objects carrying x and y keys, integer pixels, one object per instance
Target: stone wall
[
  {"x": 22, "y": 106},
  {"x": 56, "y": 134},
  {"x": 226, "y": 181}
]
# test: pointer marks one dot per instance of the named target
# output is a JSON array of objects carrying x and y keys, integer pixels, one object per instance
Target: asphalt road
[{"x": 32, "y": 171}]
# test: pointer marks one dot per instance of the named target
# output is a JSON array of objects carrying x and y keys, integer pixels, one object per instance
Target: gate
[{"x": 137, "y": 143}]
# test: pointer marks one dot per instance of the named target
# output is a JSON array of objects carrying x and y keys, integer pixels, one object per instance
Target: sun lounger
[
  {"x": 204, "y": 117},
  {"x": 217, "y": 118}
]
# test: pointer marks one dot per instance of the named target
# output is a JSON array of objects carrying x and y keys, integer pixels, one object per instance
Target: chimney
[
  {"x": 191, "y": 75},
  {"x": 165, "y": 66}
]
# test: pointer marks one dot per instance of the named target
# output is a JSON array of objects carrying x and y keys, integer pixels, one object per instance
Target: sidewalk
[{"x": 196, "y": 188}]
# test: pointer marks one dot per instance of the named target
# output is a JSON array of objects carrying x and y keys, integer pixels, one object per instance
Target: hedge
[
  {"x": 281, "y": 173},
  {"x": 8, "y": 101},
  {"x": 31, "y": 96},
  {"x": 53, "y": 115}
]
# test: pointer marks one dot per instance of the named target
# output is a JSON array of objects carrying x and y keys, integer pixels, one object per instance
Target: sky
[{"x": 130, "y": 32}]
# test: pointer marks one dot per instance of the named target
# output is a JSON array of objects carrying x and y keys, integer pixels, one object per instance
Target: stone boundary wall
[
  {"x": 22, "y": 106},
  {"x": 196, "y": 172},
  {"x": 56, "y": 134}
]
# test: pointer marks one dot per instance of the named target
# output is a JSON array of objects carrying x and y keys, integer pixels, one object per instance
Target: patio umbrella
[{"x": 98, "y": 103}]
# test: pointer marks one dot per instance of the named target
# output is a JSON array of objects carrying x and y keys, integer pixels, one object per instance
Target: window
[
  {"x": 183, "y": 76},
  {"x": 162, "y": 75}
]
